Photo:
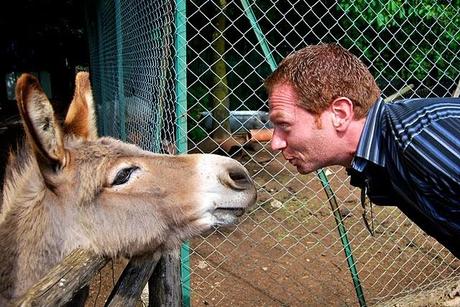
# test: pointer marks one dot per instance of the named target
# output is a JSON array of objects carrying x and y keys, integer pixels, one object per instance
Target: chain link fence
[{"x": 286, "y": 250}]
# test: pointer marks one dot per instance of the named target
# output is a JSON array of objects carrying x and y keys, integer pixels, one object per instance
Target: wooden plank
[
  {"x": 399, "y": 93},
  {"x": 457, "y": 90},
  {"x": 165, "y": 285},
  {"x": 129, "y": 286},
  {"x": 64, "y": 280}
]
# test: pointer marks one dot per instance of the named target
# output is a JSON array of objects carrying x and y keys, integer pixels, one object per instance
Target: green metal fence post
[
  {"x": 120, "y": 73},
  {"x": 181, "y": 124},
  {"x": 103, "y": 122}
]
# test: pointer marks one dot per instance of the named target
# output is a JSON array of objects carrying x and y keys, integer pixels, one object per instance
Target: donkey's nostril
[
  {"x": 239, "y": 179},
  {"x": 238, "y": 176}
]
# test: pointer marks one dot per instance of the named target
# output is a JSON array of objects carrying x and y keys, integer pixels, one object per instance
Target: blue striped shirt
[{"x": 409, "y": 155}]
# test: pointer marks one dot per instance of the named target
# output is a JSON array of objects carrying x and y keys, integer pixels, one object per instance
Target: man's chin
[
  {"x": 303, "y": 171},
  {"x": 301, "y": 168}
]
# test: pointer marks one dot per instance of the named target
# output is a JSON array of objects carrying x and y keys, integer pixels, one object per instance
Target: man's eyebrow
[{"x": 280, "y": 116}]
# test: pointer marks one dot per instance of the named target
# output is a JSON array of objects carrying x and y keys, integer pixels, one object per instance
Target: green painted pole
[
  {"x": 181, "y": 125},
  {"x": 102, "y": 101},
  {"x": 343, "y": 236},
  {"x": 259, "y": 34},
  {"x": 320, "y": 173},
  {"x": 120, "y": 73}
]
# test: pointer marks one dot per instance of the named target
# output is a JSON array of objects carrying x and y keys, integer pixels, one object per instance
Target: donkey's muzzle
[
  {"x": 235, "y": 190},
  {"x": 237, "y": 179}
]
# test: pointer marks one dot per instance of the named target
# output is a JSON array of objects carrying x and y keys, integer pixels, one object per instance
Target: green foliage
[{"x": 405, "y": 40}]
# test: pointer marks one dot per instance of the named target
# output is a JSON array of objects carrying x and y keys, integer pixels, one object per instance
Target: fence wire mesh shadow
[{"x": 287, "y": 250}]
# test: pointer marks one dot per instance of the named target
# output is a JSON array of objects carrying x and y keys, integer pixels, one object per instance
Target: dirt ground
[{"x": 287, "y": 252}]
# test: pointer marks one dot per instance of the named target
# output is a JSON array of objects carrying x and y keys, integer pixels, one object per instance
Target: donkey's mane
[
  {"x": 19, "y": 163},
  {"x": 20, "y": 166},
  {"x": 19, "y": 158}
]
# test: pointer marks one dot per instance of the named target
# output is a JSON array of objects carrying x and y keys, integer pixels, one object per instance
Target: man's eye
[
  {"x": 123, "y": 175},
  {"x": 283, "y": 126}
]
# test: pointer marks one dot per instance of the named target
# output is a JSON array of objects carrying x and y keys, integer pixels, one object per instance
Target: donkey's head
[{"x": 110, "y": 196}]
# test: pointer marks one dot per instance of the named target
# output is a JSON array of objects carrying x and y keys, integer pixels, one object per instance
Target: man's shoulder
[
  {"x": 430, "y": 100},
  {"x": 414, "y": 109},
  {"x": 404, "y": 120},
  {"x": 413, "y": 104}
]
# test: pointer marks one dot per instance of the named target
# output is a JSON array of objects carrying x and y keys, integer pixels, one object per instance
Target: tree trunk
[{"x": 220, "y": 101}]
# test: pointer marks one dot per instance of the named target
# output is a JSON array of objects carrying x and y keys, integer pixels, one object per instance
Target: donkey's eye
[{"x": 123, "y": 175}]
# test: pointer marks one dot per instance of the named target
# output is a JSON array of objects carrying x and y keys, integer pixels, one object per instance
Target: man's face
[{"x": 303, "y": 138}]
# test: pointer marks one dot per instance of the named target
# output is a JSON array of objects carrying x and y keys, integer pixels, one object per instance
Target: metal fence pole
[
  {"x": 181, "y": 124},
  {"x": 120, "y": 73}
]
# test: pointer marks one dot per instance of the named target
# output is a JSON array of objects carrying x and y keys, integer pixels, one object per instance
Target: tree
[
  {"x": 407, "y": 41},
  {"x": 220, "y": 99}
]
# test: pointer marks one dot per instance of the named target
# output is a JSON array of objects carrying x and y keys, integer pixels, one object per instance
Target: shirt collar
[{"x": 369, "y": 146}]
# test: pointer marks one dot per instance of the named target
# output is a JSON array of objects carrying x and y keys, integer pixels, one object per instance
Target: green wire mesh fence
[{"x": 286, "y": 250}]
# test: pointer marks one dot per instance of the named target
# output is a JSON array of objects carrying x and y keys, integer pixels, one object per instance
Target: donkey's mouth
[
  {"x": 233, "y": 211},
  {"x": 227, "y": 216}
]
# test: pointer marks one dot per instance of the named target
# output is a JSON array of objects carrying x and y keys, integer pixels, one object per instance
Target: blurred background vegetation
[{"x": 403, "y": 42}]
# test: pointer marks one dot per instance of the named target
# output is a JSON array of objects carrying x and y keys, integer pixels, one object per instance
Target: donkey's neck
[{"x": 31, "y": 242}]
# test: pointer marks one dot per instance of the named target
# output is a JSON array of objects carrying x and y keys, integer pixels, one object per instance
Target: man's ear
[{"x": 342, "y": 113}]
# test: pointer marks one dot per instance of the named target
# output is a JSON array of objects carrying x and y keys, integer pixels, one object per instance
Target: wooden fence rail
[{"x": 77, "y": 269}]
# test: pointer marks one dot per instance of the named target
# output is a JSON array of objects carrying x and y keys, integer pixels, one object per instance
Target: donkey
[{"x": 69, "y": 189}]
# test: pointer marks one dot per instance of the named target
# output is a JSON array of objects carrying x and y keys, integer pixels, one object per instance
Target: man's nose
[{"x": 277, "y": 142}]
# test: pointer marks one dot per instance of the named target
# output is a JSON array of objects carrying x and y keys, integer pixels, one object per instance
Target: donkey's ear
[
  {"x": 80, "y": 119},
  {"x": 40, "y": 123}
]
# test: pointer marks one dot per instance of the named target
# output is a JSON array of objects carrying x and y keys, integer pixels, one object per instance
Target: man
[{"x": 326, "y": 110}]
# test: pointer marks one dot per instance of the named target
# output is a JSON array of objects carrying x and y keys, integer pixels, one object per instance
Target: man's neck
[{"x": 352, "y": 140}]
